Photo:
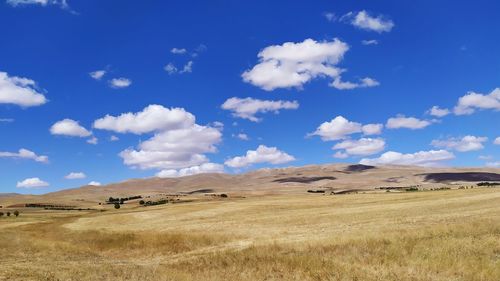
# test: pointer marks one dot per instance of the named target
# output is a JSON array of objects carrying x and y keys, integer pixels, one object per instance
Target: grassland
[{"x": 430, "y": 235}]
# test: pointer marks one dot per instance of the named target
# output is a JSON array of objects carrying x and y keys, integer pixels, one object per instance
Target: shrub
[
  {"x": 16, "y": 213},
  {"x": 1, "y": 214},
  {"x": 117, "y": 206},
  {"x": 141, "y": 202},
  {"x": 8, "y": 214},
  {"x": 223, "y": 195}
]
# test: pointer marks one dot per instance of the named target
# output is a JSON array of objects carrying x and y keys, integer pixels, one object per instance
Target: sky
[{"x": 96, "y": 92}]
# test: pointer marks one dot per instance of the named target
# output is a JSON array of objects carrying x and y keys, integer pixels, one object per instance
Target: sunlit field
[{"x": 427, "y": 235}]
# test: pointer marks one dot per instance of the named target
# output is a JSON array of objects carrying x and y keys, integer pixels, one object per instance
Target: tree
[
  {"x": 1, "y": 214},
  {"x": 117, "y": 206},
  {"x": 8, "y": 214},
  {"x": 16, "y": 213},
  {"x": 141, "y": 202}
]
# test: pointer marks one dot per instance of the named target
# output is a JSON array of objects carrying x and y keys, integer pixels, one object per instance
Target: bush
[
  {"x": 16, "y": 213},
  {"x": 141, "y": 202},
  {"x": 8, "y": 214},
  {"x": 117, "y": 206},
  {"x": 1, "y": 214},
  {"x": 223, "y": 195}
]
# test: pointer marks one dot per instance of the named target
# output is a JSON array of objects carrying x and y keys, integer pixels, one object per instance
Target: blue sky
[{"x": 212, "y": 86}]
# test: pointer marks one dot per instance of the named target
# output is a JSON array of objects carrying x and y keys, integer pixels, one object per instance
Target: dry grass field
[{"x": 426, "y": 235}]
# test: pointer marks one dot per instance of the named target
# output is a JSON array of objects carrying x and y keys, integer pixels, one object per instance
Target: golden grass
[{"x": 442, "y": 235}]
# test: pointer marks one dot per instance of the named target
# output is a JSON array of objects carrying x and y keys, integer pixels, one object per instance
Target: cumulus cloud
[
  {"x": 242, "y": 136},
  {"x": 361, "y": 147},
  {"x": 497, "y": 141},
  {"x": 262, "y": 154},
  {"x": 247, "y": 108},
  {"x": 406, "y": 122},
  {"x": 152, "y": 118},
  {"x": 120, "y": 83},
  {"x": 93, "y": 140},
  {"x": 178, "y": 51},
  {"x": 329, "y": 16},
  {"x": 114, "y": 138},
  {"x": 201, "y": 169},
  {"x": 421, "y": 158},
  {"x": 94, "y": 183},
  {"x": 369, "y": 42},
  {"x": 25, "y": 154},
  {"x": 19, "y": 91},
  {"x": 32, "y": 183},
  {"x": 63, "y": 4},
  {"x": 174, "y": 149},
  {"x": 75, "y": 176},
  {"x": 340, "y": 128},
  {"x": 366, "y": 82},
  {"x": 472, "y": 101},
  {"x": 178, "y": 142},
  {"x": 98, "y": 74},
  {"x": 493, "y": 164},
  {"x": 69, "y": 127},
  {"x": 365, "y": 21},
  {"x": 294, "y": 64},
  {"x": 438, "y": 112},
  {"x": 170, "y": 68},
  {"x": 467, "y": 143}
]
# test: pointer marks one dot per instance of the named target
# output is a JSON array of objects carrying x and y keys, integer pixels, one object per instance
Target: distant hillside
[{"x": 269, "y": 181}]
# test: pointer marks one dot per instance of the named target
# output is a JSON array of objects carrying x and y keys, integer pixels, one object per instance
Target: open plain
[{"x": 392, "y": 234}]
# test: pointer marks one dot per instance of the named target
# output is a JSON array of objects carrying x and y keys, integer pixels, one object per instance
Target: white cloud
[
  {"x": 242, "y": 136},
  {"x": 329, "y": 16},
  {"x": 340, "y": 155},
  {"x": 94, "y": 183},
  {"x": 361, "y": 147},
  {"x": 174, "y": 149},
  {"x": 68, "y": 127},
  {"x": 119, "y": 83},
  {"x": 485, "y": 157},
  {"x": 406, "y": 122},
  {"x": 421, "y": 158},
  {"x": 93, "y": 140},
  {"x": 75, "y": 176},
  {"x": 7, "y": 120},
  {"x": 497, "y": 141},
  {"x": 263, "y": 154},
  {"x": 468, "y": 103},
  {"x": 366, "y": 82},
  {"x": 63, "y": 4},
  {"x": 247, "y": 108},
  {"x": 25, "y": 154},
  {"x": 114, "y": 138},
  {"x": 98, "y": 74},
  {"x": 19, "y": 91},
  {"x": 372, "y": 129},
  {"x": 493, "y": 164},
  {"x": 438, "y": 112},
  {"x": 467, "y": 143},
  {"x": 201, "y": 169},
  {"x": 340, "y": 128},
  {"x": 152, "y": 118},
  {"x": 365, "y": 21},
  {"x": 294, "y": 64},
  {"x": 32, "y": 183},
  {"x": 178, "y": 51},
  {"x": 188, "y": 67},
  {"x": 170, "y": 68},
  {"x": 369, "y": 42}
]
